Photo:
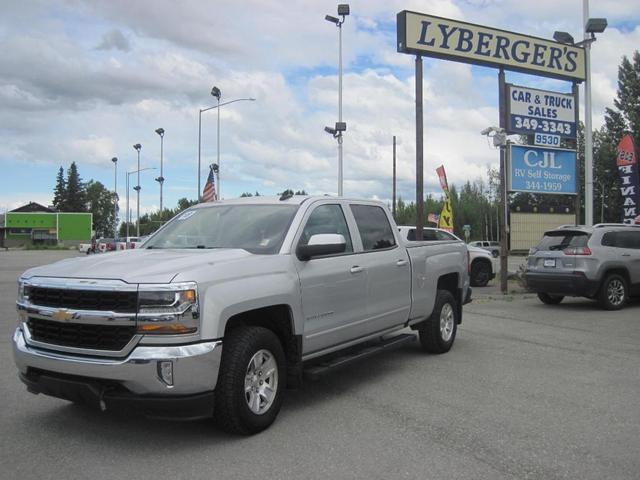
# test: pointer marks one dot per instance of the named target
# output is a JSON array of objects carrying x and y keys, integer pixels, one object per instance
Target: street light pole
[
  {"x": 200, "y": 112},
  {"x": 343, "y": 11},
  {"x": 128, "y": 216},
  {"x": 215, "y": 91},
  {"x": 591, "y": 27},
  {"x": 588, "y": 139},
  {"x": 137, "y": 188},
  {"x": 160, "y": 179},
  {"x": 115, "y": 197}
]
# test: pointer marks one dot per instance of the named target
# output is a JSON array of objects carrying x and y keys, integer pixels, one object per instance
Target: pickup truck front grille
[
  {"x": 96, "y": 337},
  {"x": 111, "y": 301}
]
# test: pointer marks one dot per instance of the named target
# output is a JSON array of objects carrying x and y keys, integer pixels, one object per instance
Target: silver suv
[{"x": 600, "y": 262}]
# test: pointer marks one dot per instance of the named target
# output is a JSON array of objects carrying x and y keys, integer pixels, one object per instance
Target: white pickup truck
[{"x": 231, "y": 302}]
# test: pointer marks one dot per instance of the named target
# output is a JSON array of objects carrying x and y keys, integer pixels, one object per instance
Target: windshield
[
  {"x": 561, "y": 240},
  {"x": 258, "y": 229}
]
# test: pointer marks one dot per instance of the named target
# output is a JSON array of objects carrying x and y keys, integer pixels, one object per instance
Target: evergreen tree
[
  {"x": 628, "y": 96},
  {"x": 60, "y": 191},
  {"x": 76, "y": 194},
  {"x": 101, "y": 205}
]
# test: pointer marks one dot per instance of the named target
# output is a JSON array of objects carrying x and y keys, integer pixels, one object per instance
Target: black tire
[
  {"x": 613, "y": 292},
  {"x": 232, "y": 411},
  {"x": 480, "y": 273},
  {"x": 550, "y": 299},
  {"x": 433, "y": 337}
]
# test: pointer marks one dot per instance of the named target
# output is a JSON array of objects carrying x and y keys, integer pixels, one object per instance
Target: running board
[{"x": 316, "y": 371}]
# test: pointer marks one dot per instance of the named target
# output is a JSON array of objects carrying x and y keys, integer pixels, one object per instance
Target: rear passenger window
[
  {"x": 374, "y": 227},
  {"x": 609, "y": 239},
  {"x": 629, "y": 240}
]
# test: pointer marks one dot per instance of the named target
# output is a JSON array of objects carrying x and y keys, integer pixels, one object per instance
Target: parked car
[
  {"x": 600, "y": 262},
  {"x": 227, "y": 306},
  {"x": 138, "y": 242},
  {"x": 105, "y": 245},
  {"x": 490, "y": 246},
  {"x": 481, "y": 269}
]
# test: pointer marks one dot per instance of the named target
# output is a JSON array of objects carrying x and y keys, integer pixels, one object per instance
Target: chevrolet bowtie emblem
[{"x": 62, "y": 316}]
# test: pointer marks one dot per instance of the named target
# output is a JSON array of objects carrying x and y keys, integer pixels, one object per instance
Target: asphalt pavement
[{"x": 528, "y": 391}]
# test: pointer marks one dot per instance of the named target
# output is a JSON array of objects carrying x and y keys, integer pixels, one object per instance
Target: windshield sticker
[
  {"x": 186, "y": 215},
  {"x": 265, "y": 242}
]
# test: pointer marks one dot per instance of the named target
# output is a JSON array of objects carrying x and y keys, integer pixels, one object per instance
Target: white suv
[{"x": 480, "y": 261}]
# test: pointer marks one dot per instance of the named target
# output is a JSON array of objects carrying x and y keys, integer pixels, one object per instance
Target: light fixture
[
  {"x": 332, "y": 19},
  {"x": 563, "y": 37},
  {"x": 215, "y": 91},
  {"x": 343, "y": 9},
  {"x": 160, "y": 131},
  {"x": 596, "y": 25},
  {"x": 137, "y": 146}
]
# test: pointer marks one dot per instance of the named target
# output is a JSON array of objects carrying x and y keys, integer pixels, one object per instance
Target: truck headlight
[
  {"x": 168, "y": 309},
  {"x": 23, "y": 291}
]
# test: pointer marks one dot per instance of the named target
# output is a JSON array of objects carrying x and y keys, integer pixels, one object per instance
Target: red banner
[
  {"x": 627, "y": 163},
  {"x": 442, "y": 176}
]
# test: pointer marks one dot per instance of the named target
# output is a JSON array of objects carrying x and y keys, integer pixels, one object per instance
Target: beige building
[{"x": 527, "y": 228}]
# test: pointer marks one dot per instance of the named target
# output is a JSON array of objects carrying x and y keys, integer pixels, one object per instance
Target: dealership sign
[
  {"x": 549, "y": 114},
  {"x": 421, "y": 34},
  {"x": 541, "y": 170}
]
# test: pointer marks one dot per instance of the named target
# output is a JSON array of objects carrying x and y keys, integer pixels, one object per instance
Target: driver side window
[{"x": 327, "y": 219}]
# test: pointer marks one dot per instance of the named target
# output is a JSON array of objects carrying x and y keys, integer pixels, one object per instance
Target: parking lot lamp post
[
  {"x": 138, "y": 147},
  {"x": 343, "y": 11},
  {"x": 200, "y": 112},
  {"x": 128, "y": 216},
  {"x": 115, "y": 197},
  {"x": 591, "y": 27},
  {"x": 160, "y": 179},
  {"x": 215, "y": 92}
]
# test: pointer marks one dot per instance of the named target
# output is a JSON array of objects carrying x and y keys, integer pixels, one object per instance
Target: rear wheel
[
  {"x": 550, "y": 299},
  {"x": 251, "y": 380},
  {"x": 613, "y": 292},
  {"x": 438, "y": 332},
  {"x": 480, "y": 273}
]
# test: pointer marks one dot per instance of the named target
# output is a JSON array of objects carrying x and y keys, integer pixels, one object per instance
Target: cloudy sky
[{"x": 83, "y": 81}]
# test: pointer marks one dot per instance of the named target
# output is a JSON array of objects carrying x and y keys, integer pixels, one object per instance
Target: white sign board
[{"x": 532, "y": 111}]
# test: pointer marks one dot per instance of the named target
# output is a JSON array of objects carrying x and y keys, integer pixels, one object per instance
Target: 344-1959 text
[{"x": 544, "y": 186}]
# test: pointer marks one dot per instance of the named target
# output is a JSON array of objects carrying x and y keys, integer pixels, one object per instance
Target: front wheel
[
  {"x": 251, "y": 380},
  {"x": 480, "y": 273},
  {"x": 550, "y": 299},
  {"x": 438, "y": 332},
  {"x": 613, "y": 293}
]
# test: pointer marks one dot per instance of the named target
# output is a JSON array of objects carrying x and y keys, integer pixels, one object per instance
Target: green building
[{"x": 35, "y": 224}]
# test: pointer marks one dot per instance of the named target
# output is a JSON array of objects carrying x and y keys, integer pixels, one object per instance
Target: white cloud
[{"x": 63, "y": 100}]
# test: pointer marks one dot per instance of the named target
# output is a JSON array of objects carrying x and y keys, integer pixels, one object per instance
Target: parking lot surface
[{"x": 528, "y": 391}]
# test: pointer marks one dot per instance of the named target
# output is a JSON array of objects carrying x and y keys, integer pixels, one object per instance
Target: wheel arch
[
  {"x": 280, "y": 320},
  {"x": 451, "y": 283}
]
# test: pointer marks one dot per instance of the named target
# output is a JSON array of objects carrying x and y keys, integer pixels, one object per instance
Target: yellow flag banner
[{"x": 446, "y": 216}]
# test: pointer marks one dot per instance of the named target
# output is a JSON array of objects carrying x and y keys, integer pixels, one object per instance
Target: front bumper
[
  {"x": 568, "y": 284},
  {"x": 135, "y": 379}
]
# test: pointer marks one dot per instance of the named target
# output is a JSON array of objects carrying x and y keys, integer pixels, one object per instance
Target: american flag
[{"x": 209, "y": 192}]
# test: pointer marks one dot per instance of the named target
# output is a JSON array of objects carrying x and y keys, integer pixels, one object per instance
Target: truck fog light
[{"x": 165, "y": 371}]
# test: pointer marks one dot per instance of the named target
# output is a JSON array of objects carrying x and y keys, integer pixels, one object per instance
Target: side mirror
[{"x": 321, "y": 244}]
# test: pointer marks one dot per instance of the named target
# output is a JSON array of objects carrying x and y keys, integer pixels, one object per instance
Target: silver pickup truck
[{"x": 230, "y": 303}]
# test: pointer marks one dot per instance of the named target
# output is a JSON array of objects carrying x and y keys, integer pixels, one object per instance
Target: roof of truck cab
[{"x": 275, "y": 200}]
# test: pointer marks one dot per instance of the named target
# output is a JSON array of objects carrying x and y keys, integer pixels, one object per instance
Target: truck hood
[{"x": 137, "y": 266}]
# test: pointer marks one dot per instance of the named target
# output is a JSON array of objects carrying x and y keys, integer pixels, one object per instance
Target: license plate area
[{"x": 549, "y": 263}]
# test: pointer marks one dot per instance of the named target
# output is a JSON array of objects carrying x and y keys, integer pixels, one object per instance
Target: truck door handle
[
  {"x": 401, "y": 263},
  {"x": 356, "y": 269},
  {"x": 626, "y": 254}
]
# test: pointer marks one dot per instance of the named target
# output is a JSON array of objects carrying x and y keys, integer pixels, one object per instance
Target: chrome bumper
[{"x": 195, "y": 366}]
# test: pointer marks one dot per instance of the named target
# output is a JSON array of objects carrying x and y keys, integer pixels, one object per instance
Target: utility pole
[
  {"x": 394, "y": 177},
  {"x": 419, "y": 151}
]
